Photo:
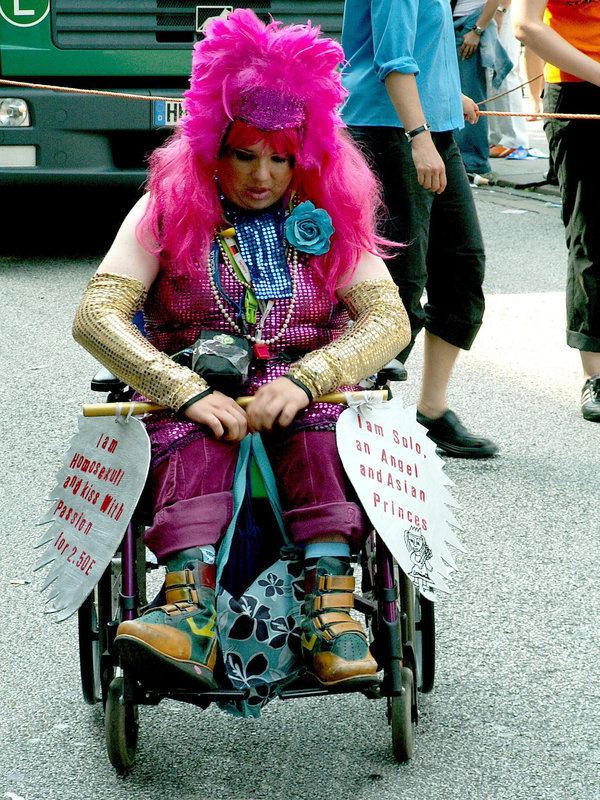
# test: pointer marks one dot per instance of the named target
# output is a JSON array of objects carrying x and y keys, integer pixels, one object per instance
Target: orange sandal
[{"x": 497, "y": 151}]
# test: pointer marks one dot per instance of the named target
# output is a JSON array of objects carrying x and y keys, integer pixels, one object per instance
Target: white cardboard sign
[
  {"x": 100, "y": 482},
  {"x": 399, "y": 478}
]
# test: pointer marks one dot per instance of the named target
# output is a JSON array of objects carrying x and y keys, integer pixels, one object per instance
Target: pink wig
[{"x": 275, "y": 78}]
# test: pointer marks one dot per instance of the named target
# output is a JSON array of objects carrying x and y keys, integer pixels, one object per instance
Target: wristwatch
[
  {"x": 478, "y": 30},
  {"x": 410, "y": 135},
  {"x": 502, "y": 10}
]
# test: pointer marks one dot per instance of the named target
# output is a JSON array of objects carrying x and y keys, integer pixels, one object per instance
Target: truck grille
[{"x": 168, "y": 24}]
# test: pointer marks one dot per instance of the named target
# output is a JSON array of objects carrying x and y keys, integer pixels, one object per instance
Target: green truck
[{"x": 119, "y": 47}]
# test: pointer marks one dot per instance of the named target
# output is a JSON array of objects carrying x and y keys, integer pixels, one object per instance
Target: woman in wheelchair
[{"x": 259, "y": 222}]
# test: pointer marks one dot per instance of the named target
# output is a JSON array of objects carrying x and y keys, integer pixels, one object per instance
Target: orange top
[{"x": 577, "y": 21}]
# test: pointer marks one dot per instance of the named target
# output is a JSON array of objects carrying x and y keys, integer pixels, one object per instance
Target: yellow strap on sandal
[
  {"x": 338, "y": 583},
  {"x": 338, "y": 600}
]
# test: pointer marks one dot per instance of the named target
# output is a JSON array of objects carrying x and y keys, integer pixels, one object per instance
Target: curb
[{"x": 541, "y": 187}]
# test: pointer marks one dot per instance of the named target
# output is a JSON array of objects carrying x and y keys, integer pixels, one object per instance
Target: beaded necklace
[{"x": 260, "y": 346}]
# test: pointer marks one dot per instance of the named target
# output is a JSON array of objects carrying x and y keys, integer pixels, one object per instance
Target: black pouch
[{"x": 222, "y": 360}]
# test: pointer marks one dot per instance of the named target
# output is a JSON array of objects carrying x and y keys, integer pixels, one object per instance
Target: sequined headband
[{"x": 269, "y": 110}]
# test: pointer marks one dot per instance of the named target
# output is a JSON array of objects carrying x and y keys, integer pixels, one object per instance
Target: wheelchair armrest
[
  {"x": 393, "y": 371},
  {"x": 105, "y": 381}
]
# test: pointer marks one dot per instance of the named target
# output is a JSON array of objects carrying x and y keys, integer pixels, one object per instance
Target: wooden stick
[{"x": 122, "y": 409}]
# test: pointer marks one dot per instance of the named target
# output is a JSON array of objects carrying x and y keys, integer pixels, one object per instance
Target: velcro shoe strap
[
  {"x": 179, "y": 587},
  {"x": 173, "y": 609},
  {"x": 338, "y": 600},
  {"x": 330, "y": 618},
  {"x": 183, "y": 577},
  {"x": 182, "y": 594},
  {"x": 337, "y": 583},
  {"x": 206, "y": 574},
  {"x": 340, "y": 628}
]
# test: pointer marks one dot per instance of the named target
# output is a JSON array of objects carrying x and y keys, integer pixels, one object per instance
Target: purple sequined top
[{"x": 179, "y": 306}]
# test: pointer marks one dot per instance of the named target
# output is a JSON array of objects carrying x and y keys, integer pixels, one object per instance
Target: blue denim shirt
[
  {"x": 407, "y": 36},
  {"x": 491, "y": 50}
]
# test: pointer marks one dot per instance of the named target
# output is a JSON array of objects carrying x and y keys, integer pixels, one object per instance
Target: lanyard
[
  {"x": 213, "y": 260},
  {"x": 251, "y": 304}
]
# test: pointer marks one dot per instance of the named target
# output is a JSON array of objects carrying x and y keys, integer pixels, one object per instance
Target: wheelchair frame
[{"x": 400, "y": 623}]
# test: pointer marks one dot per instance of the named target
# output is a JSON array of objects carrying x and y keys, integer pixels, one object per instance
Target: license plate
[{"x": 167, "y": 113}]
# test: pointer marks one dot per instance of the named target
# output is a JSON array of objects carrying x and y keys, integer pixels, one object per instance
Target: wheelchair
[{"x": 400, "y": 623}]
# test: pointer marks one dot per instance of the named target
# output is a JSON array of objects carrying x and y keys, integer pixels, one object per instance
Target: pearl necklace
[{"x": 223, "y": 309}]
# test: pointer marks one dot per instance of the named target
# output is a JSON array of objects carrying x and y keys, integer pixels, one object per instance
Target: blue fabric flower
[
  {"x": 251, "y": 619},
  {"x": 271, "y": 584},
  {"x": 309, "y": 229}
]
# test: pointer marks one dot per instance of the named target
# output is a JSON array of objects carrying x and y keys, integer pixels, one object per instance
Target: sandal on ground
[
  {"x": 498, "y": 151},
  {"x": 334, "y": 646},
  {"x": 174, "y": 647},
  {"x": 451, "y": 436}
]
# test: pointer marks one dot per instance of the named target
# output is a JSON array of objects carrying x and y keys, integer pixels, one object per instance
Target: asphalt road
[{"x": 515, "y": 711}]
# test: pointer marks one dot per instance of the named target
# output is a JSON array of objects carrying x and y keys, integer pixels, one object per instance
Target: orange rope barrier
[
  {"x": 98, "y": 92},
  {"x": 508, "y": 91},
  {"x": 124, "y": 95},
  {"x": 540, "y": 114},
  {"x": 528, "y": 113}
]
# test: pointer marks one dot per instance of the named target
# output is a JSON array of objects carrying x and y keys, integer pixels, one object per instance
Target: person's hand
[
  {"x": 469, "y": 45},
  {"x": 221, "y": 414},
  {"x": 431, "y": 172},
  {"x": 470, "y": 109},
  {"x": 275, "y": 403}
]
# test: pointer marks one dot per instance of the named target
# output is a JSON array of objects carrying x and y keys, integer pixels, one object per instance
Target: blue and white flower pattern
[{"x": 259, "y": 635}]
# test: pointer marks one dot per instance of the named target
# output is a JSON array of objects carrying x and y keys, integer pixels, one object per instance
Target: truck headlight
[{"x": 14, "y": 112}]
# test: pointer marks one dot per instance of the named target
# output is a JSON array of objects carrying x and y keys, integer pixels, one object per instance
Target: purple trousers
[{"x": 192, "y": 497}]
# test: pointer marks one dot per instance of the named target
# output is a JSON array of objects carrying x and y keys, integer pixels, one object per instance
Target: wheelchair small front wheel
[
  {"x": 401, "y": 718},
  {"x": 121, "y": 727}
]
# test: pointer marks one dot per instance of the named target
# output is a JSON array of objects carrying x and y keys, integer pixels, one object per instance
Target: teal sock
[
  {"x": 316, "y": 550},
  {"x": 181, "y": 558}
]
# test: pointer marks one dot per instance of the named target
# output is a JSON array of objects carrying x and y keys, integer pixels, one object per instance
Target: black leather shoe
[
  {"x": 590, "y": 398},
  {"x": 451, "y": 436}
]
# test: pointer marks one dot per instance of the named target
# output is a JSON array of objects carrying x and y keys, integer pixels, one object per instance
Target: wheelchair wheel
[
  {"x": 425, "y": 642},
  {"x": 120, "y": 727},
  {"x": 401, "y": 718},
  {"x": 97, "y": 668}
]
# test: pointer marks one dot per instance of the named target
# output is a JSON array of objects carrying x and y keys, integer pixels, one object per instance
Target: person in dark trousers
[
  {"x": 404, "y": 103},
  {"x": 567, "y": 36}
]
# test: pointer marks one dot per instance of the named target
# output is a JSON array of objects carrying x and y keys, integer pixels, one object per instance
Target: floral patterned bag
[{"x": 259, "y": 631}]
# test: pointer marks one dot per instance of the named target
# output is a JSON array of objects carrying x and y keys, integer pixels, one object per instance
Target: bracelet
[
  {"x": 192, "y": 400},
  {"x": 301, "y": 386},
  {"x": 502, "y": 10},
  {"x": 410, "y": 135},
  {"x": 477, "y": 30}
]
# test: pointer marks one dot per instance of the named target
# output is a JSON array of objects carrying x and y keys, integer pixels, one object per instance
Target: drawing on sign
[
  {"x": 102, "y": 477},
  {"x": 400, "y": 481},
  {"x": 420, "y": 556}
]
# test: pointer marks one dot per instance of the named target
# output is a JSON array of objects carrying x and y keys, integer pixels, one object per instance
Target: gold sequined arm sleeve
[
  {"x": 380, "y": 330},
  {"x": 103, "y": 326}
]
